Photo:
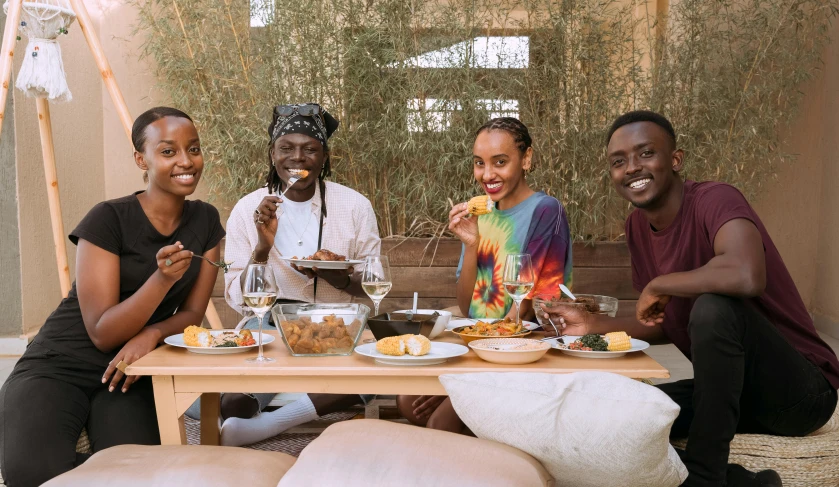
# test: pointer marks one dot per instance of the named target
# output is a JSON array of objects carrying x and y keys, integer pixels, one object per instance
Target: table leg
[
  {"x": 171, "y": 424},
  {"x": 210, "y": 409}
]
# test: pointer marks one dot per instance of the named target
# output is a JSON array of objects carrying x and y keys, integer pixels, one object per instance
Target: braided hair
[
  {"x": 512, "y": 126},
  {"x": 275, "y": 184}
]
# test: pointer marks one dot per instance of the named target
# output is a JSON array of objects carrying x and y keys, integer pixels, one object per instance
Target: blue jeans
[{"x": 262, "y": 398}]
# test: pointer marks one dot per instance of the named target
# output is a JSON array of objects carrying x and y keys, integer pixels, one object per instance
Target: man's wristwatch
[{"x": 349, "y": 281}]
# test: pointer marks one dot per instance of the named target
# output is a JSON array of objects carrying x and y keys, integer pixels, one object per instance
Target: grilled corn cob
[
  {"x": 618, "y": 341},
  {"x": 417, "y": 345},
  {"x": 391, "y": 346},
  {"x": 195, "y": 336},
  {"x": 480, "y": 205}
]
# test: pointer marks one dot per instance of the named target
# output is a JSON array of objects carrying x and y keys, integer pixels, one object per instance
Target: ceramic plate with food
[
  {"x": 590, "y": 347},
  {"x": 457, "y": 323},
  {"x": 437, "y": 353},
  {"x": 201, "y": 340}
]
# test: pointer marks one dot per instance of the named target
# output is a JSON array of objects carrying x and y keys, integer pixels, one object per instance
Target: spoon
[
  {"x": 567, "y": 292},
  {"x": 222, "y": 264}
]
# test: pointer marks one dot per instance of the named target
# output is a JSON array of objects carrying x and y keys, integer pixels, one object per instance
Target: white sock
[{"x": 239, "y": 432}]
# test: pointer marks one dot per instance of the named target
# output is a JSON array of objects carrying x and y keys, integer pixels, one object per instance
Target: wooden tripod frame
[{"x": 45, "y": 126}]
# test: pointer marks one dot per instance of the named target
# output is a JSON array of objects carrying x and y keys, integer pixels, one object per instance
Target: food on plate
[
  {"x": 589, "y": 343},
  {"x": 391, "y": 346},
  {"x": 195, "y": 336},
  {"x": 331, "y": 335},
  {"x": 416, "y": 345},
  {"x": 619, "y": 341},
  {"x": 505, "y": 327},
  {"x": 324, "y": 254},
  {"x": 480, "y": 205}
]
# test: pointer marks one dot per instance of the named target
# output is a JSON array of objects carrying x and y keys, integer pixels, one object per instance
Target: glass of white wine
[
  {"x": 518, "y": 279},
  {"x": 260, "y": 292},
  {"x": 375, "y": 280}
]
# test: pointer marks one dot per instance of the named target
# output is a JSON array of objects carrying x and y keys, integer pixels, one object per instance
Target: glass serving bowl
[
  {"x": 320, "y": 329},
  {"x": 606, "y": 305}
]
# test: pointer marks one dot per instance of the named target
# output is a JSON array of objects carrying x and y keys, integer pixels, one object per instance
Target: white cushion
[{"x": 587, "y": 429}]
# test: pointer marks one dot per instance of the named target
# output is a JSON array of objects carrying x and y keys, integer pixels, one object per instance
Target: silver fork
[
  {"x": 225, "y": 266},
  {"x": 291, "y": 182}
]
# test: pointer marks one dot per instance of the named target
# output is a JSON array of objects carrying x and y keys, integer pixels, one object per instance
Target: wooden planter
[{"x": 428, "y": 266}]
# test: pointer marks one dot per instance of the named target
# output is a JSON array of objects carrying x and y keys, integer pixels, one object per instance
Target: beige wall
[{"x": 826, "y": 296}]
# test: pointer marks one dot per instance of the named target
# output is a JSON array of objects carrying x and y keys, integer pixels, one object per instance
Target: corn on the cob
[
  {"x": 417, "y": 345},
  {"x": 195, "y": 336},
  {"x": 391, "y": 346},
  {"x": 618, "y": 341},
  {"x": 480, "y": 205}
]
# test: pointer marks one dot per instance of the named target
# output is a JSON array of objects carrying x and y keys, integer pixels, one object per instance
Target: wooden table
[{"x": 180, "y": 377}]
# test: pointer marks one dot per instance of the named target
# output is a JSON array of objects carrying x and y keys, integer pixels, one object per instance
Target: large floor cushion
[
  {"x": 588, "y": 429},
  {"x": 370, "y": 452},
  {"x": 181, "y": 466}
]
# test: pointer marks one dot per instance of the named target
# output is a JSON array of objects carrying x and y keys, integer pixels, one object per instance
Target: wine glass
[
  {"x": 518, "y": 279},
  {"x": 375, "y": 280},
  {"x": 260, "y": 292}
]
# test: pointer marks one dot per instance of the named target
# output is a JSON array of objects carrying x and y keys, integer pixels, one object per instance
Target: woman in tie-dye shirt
[{"x": 524, "y": 221}]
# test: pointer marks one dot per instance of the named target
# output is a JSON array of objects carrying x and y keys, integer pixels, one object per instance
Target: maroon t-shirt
[{"x": 688, "y": 243}]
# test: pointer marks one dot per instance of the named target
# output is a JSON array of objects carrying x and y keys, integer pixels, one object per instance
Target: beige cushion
[
  {"x": 588, "y": 429},
  {"x": 369, "y": 452},
  {"x": 182, "y": 466}
]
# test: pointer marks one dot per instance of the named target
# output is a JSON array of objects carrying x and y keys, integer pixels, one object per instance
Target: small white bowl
[
  {"x": 439, "y": 325},
  {"x": 504, "y": 350}
]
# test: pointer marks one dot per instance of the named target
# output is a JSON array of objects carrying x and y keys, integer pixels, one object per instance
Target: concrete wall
[{"x": 12, "y": 308}]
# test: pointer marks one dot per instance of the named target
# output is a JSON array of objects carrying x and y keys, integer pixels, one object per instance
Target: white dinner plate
[
  {"x": 637, "y": 346},
  {"x": 439, "y": 353},
  {"x": 323, "y": 264},
  {"x": 178, "y": 341},
  {"x": 528, "y": 325}
]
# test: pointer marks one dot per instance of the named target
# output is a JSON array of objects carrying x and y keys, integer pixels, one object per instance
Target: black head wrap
[{"x": 308, "y": 119}]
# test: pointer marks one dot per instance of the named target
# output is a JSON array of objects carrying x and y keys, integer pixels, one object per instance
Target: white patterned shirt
[{"x": 349, "y": 228}]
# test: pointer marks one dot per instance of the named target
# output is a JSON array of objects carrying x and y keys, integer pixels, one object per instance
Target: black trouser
[
  {"x": 47, "y": 400},
  {"x": 747, "y": 379}
]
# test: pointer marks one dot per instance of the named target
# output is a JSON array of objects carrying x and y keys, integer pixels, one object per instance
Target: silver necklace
[{"x": 300, "y": 235}]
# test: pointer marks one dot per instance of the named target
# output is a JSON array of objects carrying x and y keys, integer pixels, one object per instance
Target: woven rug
[{"x": 290, "y": 442}]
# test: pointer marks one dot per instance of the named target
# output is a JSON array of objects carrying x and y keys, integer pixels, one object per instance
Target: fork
[
  {"x": 291, "y": 182},
  {"x": 225, "y": 266}
]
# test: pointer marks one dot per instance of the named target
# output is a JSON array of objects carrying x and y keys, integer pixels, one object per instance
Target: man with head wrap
[{"x": 263, "y": 227}]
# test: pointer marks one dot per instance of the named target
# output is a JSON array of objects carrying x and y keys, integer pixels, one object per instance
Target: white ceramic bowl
[
  {"x": 508, "y": 351},
  {"x": 439, "y": 325}
]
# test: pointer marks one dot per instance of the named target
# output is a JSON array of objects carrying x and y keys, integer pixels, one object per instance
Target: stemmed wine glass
[
  {"x": 375, "y": 280},
  {"x": 518, "y": 279},
  {"x": 260, "y": 292}
]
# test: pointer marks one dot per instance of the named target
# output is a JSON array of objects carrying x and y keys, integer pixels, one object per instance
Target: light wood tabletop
[{"x": 180, "y": 377}]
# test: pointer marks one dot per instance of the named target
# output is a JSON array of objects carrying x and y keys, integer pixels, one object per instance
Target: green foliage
[{"x": 726, "y": 73}]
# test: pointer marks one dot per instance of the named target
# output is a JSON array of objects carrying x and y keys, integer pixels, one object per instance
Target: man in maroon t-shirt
[{"x": 713, "y": 283}]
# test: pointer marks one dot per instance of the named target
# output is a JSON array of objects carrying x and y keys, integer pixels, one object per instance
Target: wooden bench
[{"x": 428, "y": 266}]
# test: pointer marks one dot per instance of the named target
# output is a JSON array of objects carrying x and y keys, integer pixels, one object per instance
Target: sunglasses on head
[{"x": 304, "y": 110}]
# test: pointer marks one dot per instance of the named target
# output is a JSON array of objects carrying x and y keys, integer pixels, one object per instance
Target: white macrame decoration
[{"x": 42, "y": 72}]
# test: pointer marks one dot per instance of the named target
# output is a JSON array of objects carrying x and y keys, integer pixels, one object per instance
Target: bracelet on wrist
[{"x": 253, "y": 259}]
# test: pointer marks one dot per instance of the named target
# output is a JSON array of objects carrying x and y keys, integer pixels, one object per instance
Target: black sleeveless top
[{"x": 121, "y": 227}]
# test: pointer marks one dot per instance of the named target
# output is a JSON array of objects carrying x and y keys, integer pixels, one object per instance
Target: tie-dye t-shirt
[{"x": 537, "y": 226}]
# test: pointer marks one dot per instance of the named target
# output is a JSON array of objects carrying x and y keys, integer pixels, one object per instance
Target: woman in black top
[{"x": 136, "y": 283}]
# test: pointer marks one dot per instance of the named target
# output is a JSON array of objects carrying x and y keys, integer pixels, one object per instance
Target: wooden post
[
  {"x": 83, "y": 18},
  {"x": 7, "y": 53},
  {"x": 48, "y": 153}
]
